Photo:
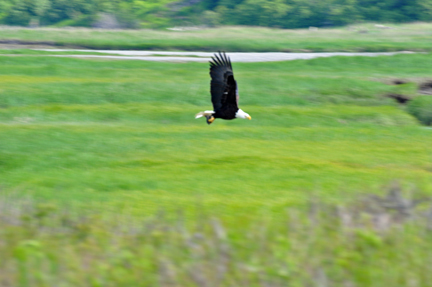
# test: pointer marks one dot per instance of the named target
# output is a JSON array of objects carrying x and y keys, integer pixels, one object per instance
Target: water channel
[{"x": 164, "y": 56}]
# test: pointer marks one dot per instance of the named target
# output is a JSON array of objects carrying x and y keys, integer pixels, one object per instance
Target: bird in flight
[{"x": 224, "y": 91}]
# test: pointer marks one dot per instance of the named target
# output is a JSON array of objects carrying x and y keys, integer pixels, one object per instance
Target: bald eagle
[{"x": 224, "y": 91}]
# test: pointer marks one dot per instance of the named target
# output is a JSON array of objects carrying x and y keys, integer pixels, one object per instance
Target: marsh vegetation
[
  {"x": 125, "y": 188},
  {"x": 356, "y": 38},
  {"x": 370, "y": 241}
]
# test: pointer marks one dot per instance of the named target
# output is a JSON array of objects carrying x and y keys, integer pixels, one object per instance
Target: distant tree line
[{"x": 164, "y": 13}]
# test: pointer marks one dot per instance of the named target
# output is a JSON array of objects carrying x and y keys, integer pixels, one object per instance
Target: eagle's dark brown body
[
  {"x": 224, "y": 92},
  {"x": 223, "y": 87}
]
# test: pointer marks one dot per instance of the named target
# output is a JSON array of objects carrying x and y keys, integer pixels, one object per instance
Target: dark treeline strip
[{"x": 164, "y": 13}]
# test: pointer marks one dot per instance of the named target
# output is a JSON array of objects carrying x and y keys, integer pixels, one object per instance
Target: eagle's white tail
[{"x": 204, "y": 114}]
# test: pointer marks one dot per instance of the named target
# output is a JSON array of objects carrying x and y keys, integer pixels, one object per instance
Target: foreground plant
[{"x": 376, "y": 241}]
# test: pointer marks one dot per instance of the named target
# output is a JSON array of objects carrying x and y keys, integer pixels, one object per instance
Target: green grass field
[
  {"x": 357, "y": 38},
  {"x": 105, "y": 147},
  {"x": 123, "y": 133}
]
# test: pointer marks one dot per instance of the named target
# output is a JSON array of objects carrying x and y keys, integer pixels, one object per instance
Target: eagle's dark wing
[{"x": 223, "y": 87}]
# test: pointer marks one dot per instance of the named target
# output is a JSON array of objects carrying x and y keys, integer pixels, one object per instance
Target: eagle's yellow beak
[{"x": 249, "y": 117}]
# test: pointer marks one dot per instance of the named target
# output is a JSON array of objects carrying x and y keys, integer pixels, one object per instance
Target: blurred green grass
[
  {"x": 356, "y": 38},
  {"x": 120, "y": 135},
  {"x": 35, "y": 52},
  {"x": 341, "y": 245}
]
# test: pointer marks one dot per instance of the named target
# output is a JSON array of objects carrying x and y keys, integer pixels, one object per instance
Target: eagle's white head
[{"x": 242, "y": 115}]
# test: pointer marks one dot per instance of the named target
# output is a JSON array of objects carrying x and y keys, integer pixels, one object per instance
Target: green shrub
[{"x": 421, "y": 108}]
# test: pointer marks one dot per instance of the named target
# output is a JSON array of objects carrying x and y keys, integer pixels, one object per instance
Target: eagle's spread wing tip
[{"x": 220, "y": 59}]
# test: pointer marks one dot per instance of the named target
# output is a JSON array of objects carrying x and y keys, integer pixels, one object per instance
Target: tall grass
[
  {"x": 372, "y": 241},
  {"x": 360, "y": 38}
]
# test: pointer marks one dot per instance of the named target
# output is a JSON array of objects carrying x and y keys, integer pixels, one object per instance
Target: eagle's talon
[{"x": 210, "y": 120}]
